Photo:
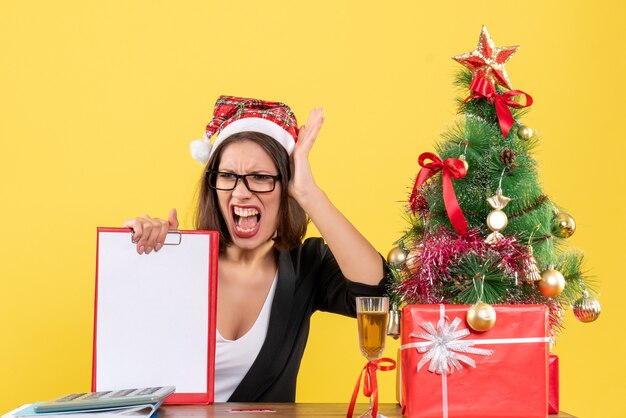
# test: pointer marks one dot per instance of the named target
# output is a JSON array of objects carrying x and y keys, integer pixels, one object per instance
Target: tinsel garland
[{"x": 440, "y": 251}]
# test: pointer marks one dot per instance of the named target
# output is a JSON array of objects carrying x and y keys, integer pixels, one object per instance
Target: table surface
[{"x": 327, "y": 410}]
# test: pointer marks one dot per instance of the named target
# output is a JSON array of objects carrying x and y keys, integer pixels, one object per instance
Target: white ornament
[{"x": 497, "y": 220}]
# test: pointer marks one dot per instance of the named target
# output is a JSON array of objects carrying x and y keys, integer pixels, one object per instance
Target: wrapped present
[
  {"x": 553, "y": 384},
  {"x": 449, "y": 370}
]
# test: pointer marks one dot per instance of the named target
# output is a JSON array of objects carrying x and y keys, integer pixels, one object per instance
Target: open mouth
[{"x": 247, "y": 221}]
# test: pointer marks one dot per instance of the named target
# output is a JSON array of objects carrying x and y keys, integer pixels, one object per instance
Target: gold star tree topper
[{"x": 487, "y": 60}]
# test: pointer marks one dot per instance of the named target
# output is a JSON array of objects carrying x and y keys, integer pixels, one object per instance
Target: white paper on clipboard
[{"x": 155, "y": 315}]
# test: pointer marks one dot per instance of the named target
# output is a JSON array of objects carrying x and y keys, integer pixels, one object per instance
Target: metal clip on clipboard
[{"x": 172, "y": 238}]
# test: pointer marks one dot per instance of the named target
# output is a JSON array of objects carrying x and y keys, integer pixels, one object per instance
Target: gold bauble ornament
[
  {"x": 413, "y": 261},
  {"x": 587, "y": 308},
  {"x": 396, "y": 258},
  {"x": 563, "y": 225},
  {"x": 525, "y": 132},
  {"x": 465, "y": 164},
  {"x": 552, "y": 283},
  {"x": 481, "y": 317}
]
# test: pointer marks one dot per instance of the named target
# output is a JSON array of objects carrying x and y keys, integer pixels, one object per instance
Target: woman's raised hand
[
  {"x": 149, "y": 233},
  {"x": 302, "y": 181}
]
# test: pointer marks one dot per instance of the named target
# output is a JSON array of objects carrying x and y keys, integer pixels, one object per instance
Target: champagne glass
[{"x": 372, "y": 316}]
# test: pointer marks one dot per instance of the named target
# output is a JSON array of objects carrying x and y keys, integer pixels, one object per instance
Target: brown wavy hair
[{"x": 292, "y": 219}]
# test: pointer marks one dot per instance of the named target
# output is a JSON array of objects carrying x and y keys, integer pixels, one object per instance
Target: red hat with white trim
[{"x": 232, "y": 115}]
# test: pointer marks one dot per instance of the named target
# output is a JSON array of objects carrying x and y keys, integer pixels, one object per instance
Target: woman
[{"x": 269, "y": 282}]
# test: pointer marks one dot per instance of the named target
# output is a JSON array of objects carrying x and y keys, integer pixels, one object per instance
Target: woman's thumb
[{"x": 173, "y": 219}]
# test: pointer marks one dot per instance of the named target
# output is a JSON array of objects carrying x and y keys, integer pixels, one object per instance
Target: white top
[{"x": 233, "y": 358}]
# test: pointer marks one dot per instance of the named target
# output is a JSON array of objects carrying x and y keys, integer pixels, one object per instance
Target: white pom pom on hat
[
  {"x": 201, "y": 149},
  {"x": 232, "y": 115}
]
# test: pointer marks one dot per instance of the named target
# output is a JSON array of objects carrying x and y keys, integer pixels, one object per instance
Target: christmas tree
[{"x": 481, "y": 230}]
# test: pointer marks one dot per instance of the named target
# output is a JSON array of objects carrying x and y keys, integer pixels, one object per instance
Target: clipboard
[{"x": 154, "y": 315}]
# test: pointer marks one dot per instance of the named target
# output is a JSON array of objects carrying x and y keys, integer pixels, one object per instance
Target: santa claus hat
[{"x": 232, "y": 115}]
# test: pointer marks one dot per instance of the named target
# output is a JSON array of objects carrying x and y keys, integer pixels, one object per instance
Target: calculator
[{"x": 105, "y": 399}]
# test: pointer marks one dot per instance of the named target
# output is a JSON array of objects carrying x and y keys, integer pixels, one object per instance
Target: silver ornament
[{"x": 393, "y": 326}]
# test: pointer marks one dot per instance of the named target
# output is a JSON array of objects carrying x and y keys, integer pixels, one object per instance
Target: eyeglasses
[{"x": 256, "y": 183}]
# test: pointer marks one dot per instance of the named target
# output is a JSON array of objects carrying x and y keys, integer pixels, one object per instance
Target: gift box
[
  {"x": 553, "y": 384},
  {"x": 449, "y": 370}
]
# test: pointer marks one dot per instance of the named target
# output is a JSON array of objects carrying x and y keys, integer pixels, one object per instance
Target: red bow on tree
[
  {"x": 370, "y": 384},
  {"x": 483, "y": 88},
  {"x": 450, "y": 168}
]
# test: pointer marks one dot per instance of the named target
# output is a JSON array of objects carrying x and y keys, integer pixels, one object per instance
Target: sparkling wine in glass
[{"x": 372, "y": 316}]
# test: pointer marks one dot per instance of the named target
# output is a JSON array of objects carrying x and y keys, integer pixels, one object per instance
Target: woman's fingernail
[
  {"x": 148, "y": 250},
  {"x": 158, "y": 246},
  {"x": 141, "y": 250}
]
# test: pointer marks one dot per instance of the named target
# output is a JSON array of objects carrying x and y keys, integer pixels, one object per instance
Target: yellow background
[{"x": 98, "y": 100}]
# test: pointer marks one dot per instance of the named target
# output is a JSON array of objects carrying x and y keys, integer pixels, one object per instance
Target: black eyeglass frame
[{"x": 244, "y": 178}]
